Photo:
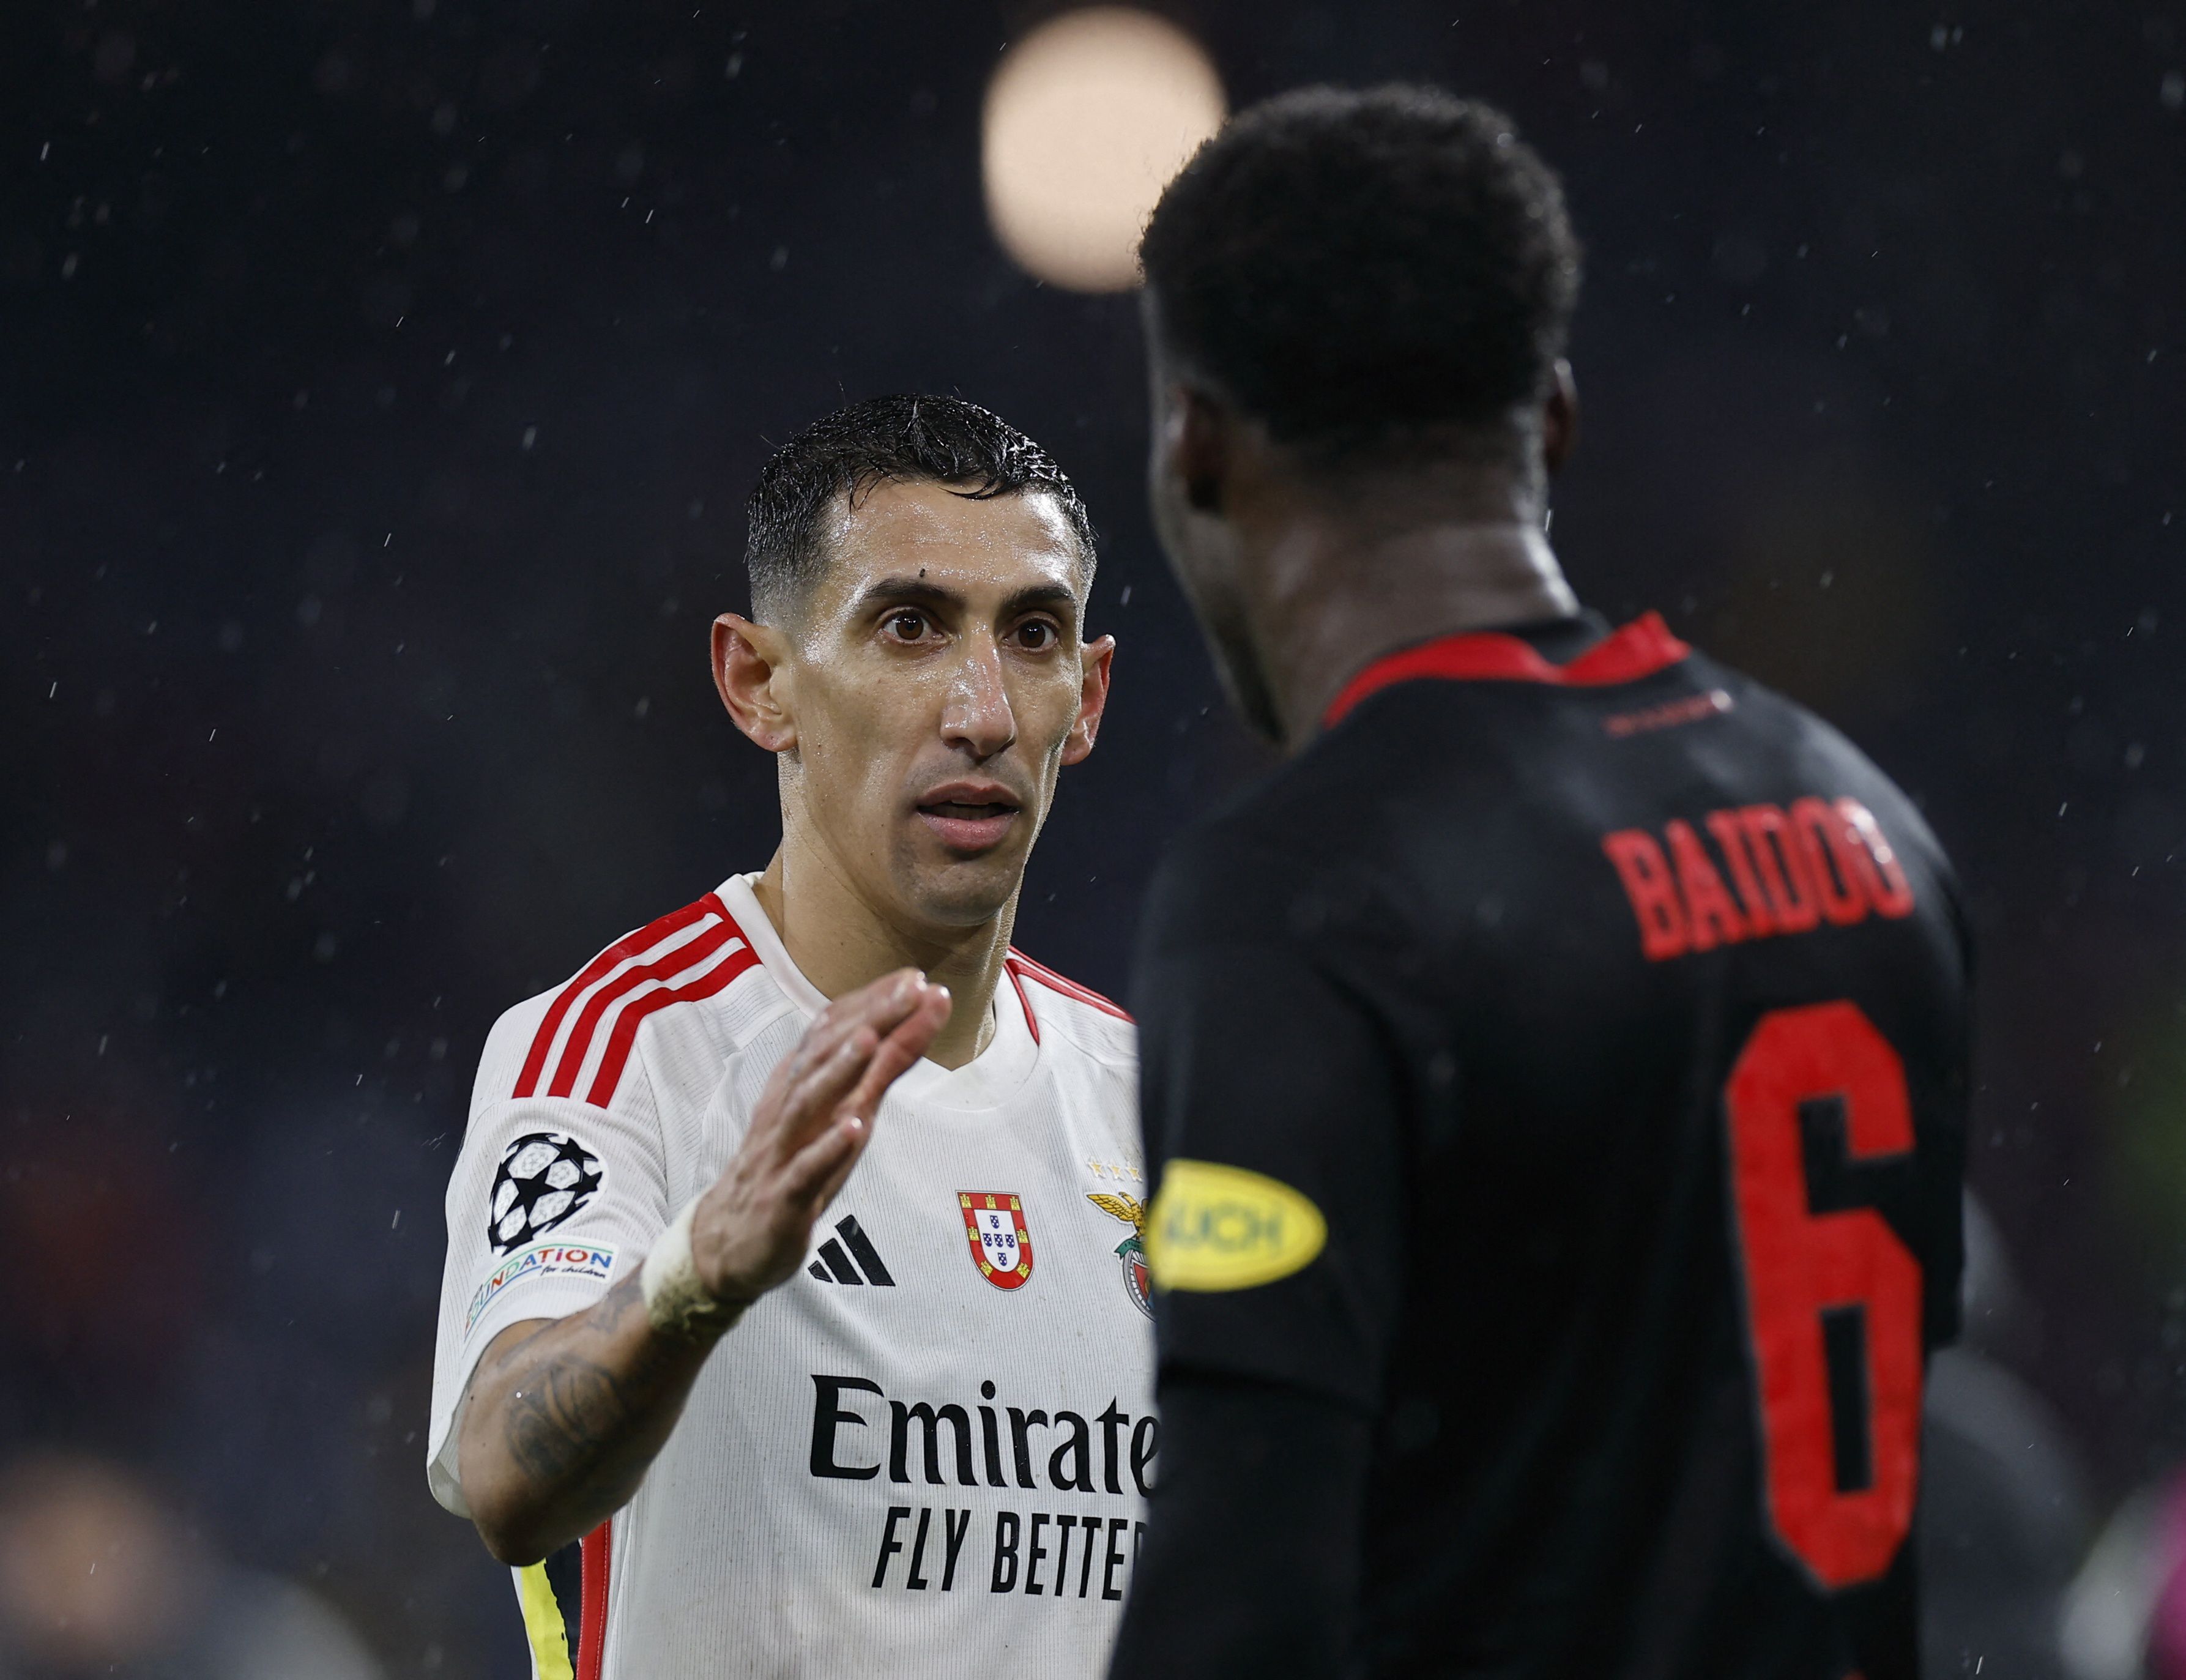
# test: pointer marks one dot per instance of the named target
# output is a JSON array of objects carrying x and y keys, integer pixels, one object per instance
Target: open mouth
[{"x": 969, "y": 820}]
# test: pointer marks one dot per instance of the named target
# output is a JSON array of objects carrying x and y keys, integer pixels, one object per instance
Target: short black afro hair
[
  {"x": 1362, "y": 269},
  {"x": 898, "y": 440}
]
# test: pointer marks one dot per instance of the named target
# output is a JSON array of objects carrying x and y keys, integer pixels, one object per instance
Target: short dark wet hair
[
  {"x": 905, "y": 438},
  {"x": 1360, "y": 269}
]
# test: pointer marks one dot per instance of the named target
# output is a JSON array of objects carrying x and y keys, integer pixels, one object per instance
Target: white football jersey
[{"x": 929, "y": 1450}]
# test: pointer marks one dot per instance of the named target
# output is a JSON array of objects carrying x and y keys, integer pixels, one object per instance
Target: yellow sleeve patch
[
  {"x": 543, "y": 1625},
  {"x": 1215, "y": 1228}
]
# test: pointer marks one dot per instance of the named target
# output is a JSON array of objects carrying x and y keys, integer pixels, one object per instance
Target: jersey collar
[
  {"x": 985, "y": 1082},
  {"x": 1638, "y": 649}
]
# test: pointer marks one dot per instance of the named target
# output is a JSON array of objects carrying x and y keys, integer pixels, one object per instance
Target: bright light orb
[{"x": 1087, "y": 118}]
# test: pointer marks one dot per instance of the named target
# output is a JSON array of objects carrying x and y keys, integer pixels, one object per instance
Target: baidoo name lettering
[
  {"x": 935, "y": 1442},
  {"x": 1823, "y": 862}
]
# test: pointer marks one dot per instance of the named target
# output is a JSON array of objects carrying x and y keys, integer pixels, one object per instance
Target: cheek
[
  {"x": 1045, "y": 711},
  {"x": 858, "y": 742}
]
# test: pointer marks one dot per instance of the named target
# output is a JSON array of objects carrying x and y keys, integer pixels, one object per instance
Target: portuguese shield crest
[
  {"x": 1000, "y": 1242},
  {"x": 1132, "y": 1251}
]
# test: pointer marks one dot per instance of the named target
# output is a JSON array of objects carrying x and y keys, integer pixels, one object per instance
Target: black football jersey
[{"x": 1565, "y": 1066}]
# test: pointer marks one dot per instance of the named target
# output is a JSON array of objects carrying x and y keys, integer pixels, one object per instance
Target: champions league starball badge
[
  {"x": 543, "y": 1179},
  {"x": 1001, "y": 1244},
  {"x": 1132, "y": 1251}
]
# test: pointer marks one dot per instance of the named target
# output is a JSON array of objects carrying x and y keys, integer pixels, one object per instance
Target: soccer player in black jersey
[{"x": 1556, "y": 1072}]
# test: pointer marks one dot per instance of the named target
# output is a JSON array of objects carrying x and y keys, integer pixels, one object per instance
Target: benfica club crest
[
  {"x": 1002, "y": 1246},
  {"x": 1131, "y": 1251}
]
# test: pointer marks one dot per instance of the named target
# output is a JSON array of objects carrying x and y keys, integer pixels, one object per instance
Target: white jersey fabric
[{"x": 925, "y": 1455}]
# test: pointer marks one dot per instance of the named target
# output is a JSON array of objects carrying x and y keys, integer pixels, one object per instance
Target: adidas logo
[{"x": 833, "y": 1265}]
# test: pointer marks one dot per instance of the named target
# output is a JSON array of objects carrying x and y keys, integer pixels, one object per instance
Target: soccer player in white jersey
[{"x": 730, "y": 1407}]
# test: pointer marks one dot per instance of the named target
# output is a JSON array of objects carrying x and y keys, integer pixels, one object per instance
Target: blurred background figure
[
  {"x": 2005, "y": 1520},
  {"x": 2113, "y": 1617},
  {"x": 2125, "y": 1618},
  {"x": 97, "y": 1577}
]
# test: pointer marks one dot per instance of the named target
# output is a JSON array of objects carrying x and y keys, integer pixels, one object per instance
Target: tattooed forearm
[
  {"x": 564, "y": 1418},
  {"x": 569, "y": 1408}
]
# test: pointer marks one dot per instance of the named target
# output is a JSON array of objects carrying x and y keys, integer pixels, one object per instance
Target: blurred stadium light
[{"x": 1087, "y": 118}]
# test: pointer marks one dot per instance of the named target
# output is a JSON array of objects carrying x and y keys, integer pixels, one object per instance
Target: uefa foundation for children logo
[{"x": 590, "y": 1261}]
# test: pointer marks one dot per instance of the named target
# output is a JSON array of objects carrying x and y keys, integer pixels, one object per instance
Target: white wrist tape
[{"x": 675, "y": 1302}]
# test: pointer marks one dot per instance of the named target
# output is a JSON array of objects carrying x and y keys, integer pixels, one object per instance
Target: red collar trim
[{"x": 1638, "y": 649}]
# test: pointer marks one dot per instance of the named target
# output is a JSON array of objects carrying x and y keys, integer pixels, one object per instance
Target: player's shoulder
[
  {"x": 1323, "y": 807},
  {"x": 1810, "y": 749},
  {"x": 1260, "y": 867},
  {"x": 1061, "y": 1010},
  {"x": 579, "y": 1039}
]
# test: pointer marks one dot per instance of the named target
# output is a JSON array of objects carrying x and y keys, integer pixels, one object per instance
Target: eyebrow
[{"x": 889, "y": 591}]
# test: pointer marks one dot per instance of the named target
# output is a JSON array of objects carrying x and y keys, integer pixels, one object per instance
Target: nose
[{"x": 976, "y": 714}]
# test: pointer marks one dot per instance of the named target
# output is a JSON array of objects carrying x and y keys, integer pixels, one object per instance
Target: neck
[
  {"x": 1329, "y": 599},
  {"x": 840, "y": 940}
]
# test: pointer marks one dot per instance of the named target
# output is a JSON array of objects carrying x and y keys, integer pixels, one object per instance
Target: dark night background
[{"x": 379, "y": 386}]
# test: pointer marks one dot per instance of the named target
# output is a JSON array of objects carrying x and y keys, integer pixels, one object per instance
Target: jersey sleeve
[
  {"x": 1270, "y": 1106},
  {"x": 553, "y": 1202},
  {"x": 1245, "y": 1574}
]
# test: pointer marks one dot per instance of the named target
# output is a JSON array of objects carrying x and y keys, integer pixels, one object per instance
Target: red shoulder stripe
[
  {"x": 1032, "y": 1020},
  {"x": 665, "y": 966},
  {"x": 714, "y": 979},
  {"x": 1638, "y": 649},
  {"x": 654, "y": 933},
  {"x": 602, "y": 999},
  {"x": 1018, "y": 963}
]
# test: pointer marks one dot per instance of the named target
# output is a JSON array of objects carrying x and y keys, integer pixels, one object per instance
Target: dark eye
[
  {"x": 905, "y": 624},
  {"x": 1037, "y": 636}
]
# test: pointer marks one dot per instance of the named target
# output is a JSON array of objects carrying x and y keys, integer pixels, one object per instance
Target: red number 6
[{"x": 1800, "y": 1266}]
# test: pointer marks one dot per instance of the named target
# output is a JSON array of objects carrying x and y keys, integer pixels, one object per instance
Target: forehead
[{"x": 997, "y": 546}]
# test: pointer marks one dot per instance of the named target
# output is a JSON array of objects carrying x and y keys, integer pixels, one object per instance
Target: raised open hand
[{"x": 751, "y": 1229}]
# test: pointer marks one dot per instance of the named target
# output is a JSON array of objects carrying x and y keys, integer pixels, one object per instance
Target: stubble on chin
[{"x": 954, "y": 894}]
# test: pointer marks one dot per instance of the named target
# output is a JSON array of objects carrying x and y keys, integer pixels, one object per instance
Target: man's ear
[
  {"x": 1196, "y": 440},
  {"x": 750, "y": 672},
  {"x": 1092, "y": 699},
  {"x": 1560, "y": 420}
]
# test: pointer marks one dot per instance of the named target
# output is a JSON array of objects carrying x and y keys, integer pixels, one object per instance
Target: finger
[
  {"x": 823, "y": 1167},
  {"x": 886, "y": 1001},
  {"x": 808, "y": 1107},
  {"x": 874, "y": 1010},
  {"x": 807, "y": 1088},
  {"x": 830, "y": 1029},
  {"x": 900, "y": 1050},
  {"x": 776, "y": 1101},
  {"x": 879, "y": 1004},
  {"x": 818, "y": 1170},
  {"x": 833, "y": 1187}
]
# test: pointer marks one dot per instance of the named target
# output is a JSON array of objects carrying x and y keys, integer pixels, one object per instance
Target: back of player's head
[
  {"x": 1363, "y": 273},
  {"x": 890, "y": 440}
]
